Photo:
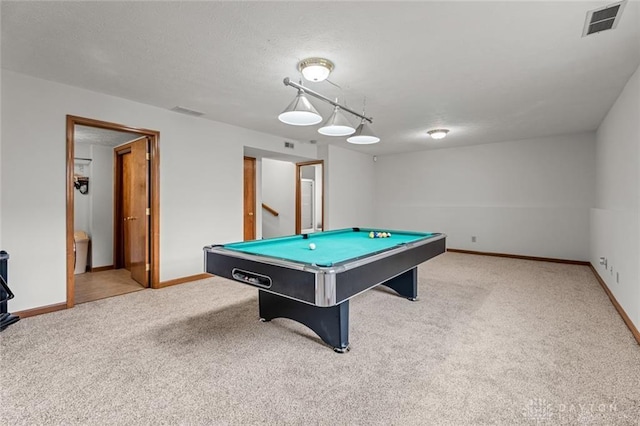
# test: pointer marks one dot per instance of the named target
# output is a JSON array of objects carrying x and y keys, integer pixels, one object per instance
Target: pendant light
[
  {"x": 336, "y": 125},
  {"x": 363, "y": 135},
  {"x": 300, "y": 112}
]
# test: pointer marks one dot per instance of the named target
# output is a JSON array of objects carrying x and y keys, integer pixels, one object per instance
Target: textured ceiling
[
  {"x": 96, "y": 136},
  {"x": 489, "y": 71}
]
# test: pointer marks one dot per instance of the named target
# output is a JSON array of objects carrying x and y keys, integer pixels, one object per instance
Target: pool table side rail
[
  {"x": 287, "y": 279},
  {"x": 367, "y": 275}
]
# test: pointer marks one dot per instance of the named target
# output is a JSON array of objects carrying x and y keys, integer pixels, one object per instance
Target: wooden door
[
  {"x": 132, "y": 193},
  {"x": 138, "y": 225},
  {"x": 127, "y": 169},
  {"x": 249, "y": 198}
]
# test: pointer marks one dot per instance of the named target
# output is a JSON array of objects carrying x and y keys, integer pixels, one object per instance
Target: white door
[{"x": 307, "y": 212}]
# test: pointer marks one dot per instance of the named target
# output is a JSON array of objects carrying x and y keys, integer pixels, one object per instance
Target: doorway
[
  {"x": 308, "y": 221},
  {"x": 309, "y": 197},
  {"x": 122, "y": 183}
]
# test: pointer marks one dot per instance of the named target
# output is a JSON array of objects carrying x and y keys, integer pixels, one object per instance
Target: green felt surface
[{"x": 331, "y": 247}]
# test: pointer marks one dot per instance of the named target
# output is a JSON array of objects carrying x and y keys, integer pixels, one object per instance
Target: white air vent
[
  {"x": 605, "y": 18},
  {"x": 187, "y": 111},
  {"x": 289, "y": 145}
]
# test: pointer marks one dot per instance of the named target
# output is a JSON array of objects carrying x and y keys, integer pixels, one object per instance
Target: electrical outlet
[{"x": 474, "y": 239}]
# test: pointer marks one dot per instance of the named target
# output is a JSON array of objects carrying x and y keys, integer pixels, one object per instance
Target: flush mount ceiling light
[
  {"x": 438, "y": 133},
  {"x": 315, "y": 69},
  {"x": 336, "y": 125},
  {"x": 300, "y": 112},
  {"x": 363, "y": 135}
]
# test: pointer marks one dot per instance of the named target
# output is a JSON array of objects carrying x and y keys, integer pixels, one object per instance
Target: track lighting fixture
[
  {"x": 336, "y": 125},
  {"x": 301, "y": 113},
  {"x": 363, "y": 135}
]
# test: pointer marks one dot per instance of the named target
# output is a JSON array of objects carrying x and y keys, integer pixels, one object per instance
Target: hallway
[{"x": 92, "y": 286}]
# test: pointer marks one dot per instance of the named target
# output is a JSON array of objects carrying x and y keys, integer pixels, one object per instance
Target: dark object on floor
[{"x": 6, "y": 319}]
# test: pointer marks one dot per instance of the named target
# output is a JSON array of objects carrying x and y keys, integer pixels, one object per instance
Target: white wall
[
  {"x": 1, "y": 137},
  {"x": 81, "y": 202},
  {"x": 349, "y": 188},
  {"x": 93, "y": 212},
  {"x": 102, "y": 204},
  {"x": 278, "y": 192},
  {"x": 529, "y": 197},
  {"x": 615, "y": 220},
  {"x": 200, "y": 181}
]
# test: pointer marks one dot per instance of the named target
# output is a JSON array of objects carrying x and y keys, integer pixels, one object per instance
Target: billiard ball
[
  {"x": 312, "y": 246},
  {"x": 371, "y": 234}
]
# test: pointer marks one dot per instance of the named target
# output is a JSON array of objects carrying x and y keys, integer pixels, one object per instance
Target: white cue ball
[{"x": 312, "y": 246}]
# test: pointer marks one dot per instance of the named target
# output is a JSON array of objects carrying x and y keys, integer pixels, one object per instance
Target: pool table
[{"x": 313, "y": 285}]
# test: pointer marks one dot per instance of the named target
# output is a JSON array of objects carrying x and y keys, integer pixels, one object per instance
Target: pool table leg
[
  {"x": 330, "y": 323},
  {"x": 405, "y": 284}
]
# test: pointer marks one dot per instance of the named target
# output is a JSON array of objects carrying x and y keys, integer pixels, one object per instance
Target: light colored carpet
[{"x": 491, "y": 341}]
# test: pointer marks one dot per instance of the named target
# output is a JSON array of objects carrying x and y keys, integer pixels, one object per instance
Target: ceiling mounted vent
[
  {"x": 187, "y": 111},
  {"x": 605, "y": 18}
]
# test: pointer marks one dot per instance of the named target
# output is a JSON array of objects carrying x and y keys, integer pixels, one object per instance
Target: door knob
[
  {"x": 130, "y": 218},
  {"x": 250, "y": 213}
]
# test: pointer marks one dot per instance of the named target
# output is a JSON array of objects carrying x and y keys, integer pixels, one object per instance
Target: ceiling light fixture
[
  {"x": 300, "y": 112},
  {"x": 337, "y": 124},
  {"x": 315, "y": 69},
  {"x": 438, "y": 133},
  {"x": 363, "y": 135}
]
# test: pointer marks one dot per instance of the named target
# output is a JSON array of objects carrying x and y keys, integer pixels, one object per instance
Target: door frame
[
  {"x": 299, "y": 195},
  {"x": 154, "y": 195}
]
